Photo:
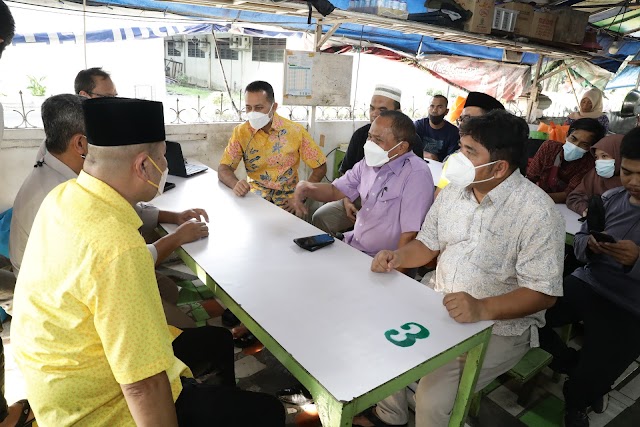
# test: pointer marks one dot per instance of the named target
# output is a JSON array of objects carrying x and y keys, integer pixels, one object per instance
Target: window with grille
[
  {"x": 195, "y": 49},
  {"x": 172, "y": 49},
  {"x": 268, "y": 49},
  {"x": 225, "y": 51}
]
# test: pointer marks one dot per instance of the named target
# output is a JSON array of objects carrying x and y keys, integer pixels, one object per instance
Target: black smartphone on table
[
  {"x": 168, "y": 186},
  {"x": 313, "y": 243},
  {"x": 603, "y": 237}
]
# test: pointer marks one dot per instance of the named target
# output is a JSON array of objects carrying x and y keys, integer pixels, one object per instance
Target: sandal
[
  {"x": 26, "y": 411},
  {"x": 371, "y": 416}
]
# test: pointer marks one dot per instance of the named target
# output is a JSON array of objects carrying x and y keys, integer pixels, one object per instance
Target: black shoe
[
  {"x": 229, "y": 319},
  {"x": 576, "y": 418},
  {"x": 600, "y": 405},
  {"x": 295, "y": 396}
]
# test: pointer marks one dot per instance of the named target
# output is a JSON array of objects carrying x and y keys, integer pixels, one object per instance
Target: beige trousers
[
  {"x": 437, "y": 391},
  {"x": 169, "y": 296},
  {"x": 332, "y": 217}
]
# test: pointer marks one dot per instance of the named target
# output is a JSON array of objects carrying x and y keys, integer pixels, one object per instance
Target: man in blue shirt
[
  {"x": 604, "y": 295},
  {"x": 439, "y": 137}
]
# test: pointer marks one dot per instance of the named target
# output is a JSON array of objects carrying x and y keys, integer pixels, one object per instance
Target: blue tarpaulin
[
  {"x": 408, "y": 43},
  {"x": 112, "y": 35}
]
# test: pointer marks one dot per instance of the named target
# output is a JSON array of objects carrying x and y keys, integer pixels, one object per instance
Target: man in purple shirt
[{"x": 395, "y": 186}]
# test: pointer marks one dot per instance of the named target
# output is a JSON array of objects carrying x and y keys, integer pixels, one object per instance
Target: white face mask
[
  {"x": 572, "y": 152},
  {"x": 259, "y": 120},
  {"x": 163, "y": 179},
  {"x": 375, "y": 156},
  {"x": 606, "y": 167},
  {"x": 460, "y": 171}
]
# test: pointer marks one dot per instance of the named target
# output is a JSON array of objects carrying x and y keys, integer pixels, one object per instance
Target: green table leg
[
  {"x": 333, "y": 413},
  {"x": 468, "y": 381}
]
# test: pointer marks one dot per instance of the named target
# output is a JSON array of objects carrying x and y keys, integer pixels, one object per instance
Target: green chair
[{"x": 531, "y": 364}]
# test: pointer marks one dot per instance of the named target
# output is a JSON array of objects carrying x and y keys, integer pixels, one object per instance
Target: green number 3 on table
[{"x": 407, "y": 337}]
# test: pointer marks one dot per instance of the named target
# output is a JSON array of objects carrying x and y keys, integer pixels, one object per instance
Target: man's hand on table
[
  {"x": 385, "y": 261},
  {"x": 463, "y": 308},
  {"x": 350, "y": 209},
  {"x": 626, "y": 252},
  {"x": 191, "y": 231},
  {"x": 241, "y": 188},
  {"x": 188, "y": 215}
]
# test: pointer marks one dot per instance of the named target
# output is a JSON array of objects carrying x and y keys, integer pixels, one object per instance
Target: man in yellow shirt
[
  {"x": 271, "y": 148},
  {"x": 89, "y": 332}
]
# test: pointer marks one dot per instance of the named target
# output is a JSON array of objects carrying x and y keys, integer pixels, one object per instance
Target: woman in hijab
[
  {"x": 605, "y": 176},
  {"x": 590, "y": 108}
]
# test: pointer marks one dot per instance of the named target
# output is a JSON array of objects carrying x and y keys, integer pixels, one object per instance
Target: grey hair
[{"x": 63, "y": 118}]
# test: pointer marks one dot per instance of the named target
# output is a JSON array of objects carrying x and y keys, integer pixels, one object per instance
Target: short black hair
[
  {"x": 589, "y": 125},
  {"x": 441, "y": 96},
  {"x": 7, "y": 26},
  {"x": 397, "y": 106},
  {"x": 402, "y": 126},
  {"x": 85, "y": 79},
  {"x": 630, "y": 148},
  {"x": 62, "y": 117},
  {"x": 501, "y": 133},
  {"x": 261, "y": 86}
]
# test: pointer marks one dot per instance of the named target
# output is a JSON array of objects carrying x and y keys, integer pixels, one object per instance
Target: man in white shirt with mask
[{"x": 499, "y": 241}]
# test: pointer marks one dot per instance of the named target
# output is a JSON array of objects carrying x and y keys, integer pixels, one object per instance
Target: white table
[{"x": 323, "y": 314}]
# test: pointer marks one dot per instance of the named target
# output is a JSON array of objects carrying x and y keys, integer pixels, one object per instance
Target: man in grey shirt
[
  {"x": 499, "y": 240},
  {"x": 604, "y": 294}
]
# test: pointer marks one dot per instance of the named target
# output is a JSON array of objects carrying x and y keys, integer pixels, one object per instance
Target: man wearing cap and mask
[
  {"x": 89, "y": 333},
  {"x": 340, "y": 215},
  {"x": 439, "y": 137},
  {"x": 477, "y": 104},
  {"x": 395, "y": 186},
  {"x": 271, "y": 148},
  {"x": 60, "y": 159},
  {"x": 495, "y": 264}
]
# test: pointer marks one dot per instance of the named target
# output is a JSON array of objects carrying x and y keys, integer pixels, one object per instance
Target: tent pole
[
  {"x": 84, "y": 36},
  {"x": 317, "y": 44},
  {"x": 533, "y": 97},
  {"x": 573, "y": 88}
]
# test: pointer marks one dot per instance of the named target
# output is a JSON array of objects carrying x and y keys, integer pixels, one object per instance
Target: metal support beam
[
  {"x": 533, "y": 97},
  {"x": 560, "y": 69}
]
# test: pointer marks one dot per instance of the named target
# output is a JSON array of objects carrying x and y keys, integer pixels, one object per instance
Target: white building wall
[{"x": 238, "y": 72}]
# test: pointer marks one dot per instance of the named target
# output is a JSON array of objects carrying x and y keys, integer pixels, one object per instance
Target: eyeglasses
[{"x": 102, "y": 95}]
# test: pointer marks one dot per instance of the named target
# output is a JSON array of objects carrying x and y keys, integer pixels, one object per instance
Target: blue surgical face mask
[
  {"x": 572, "y": 152},
  {"x": 605, "y": 168}
]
